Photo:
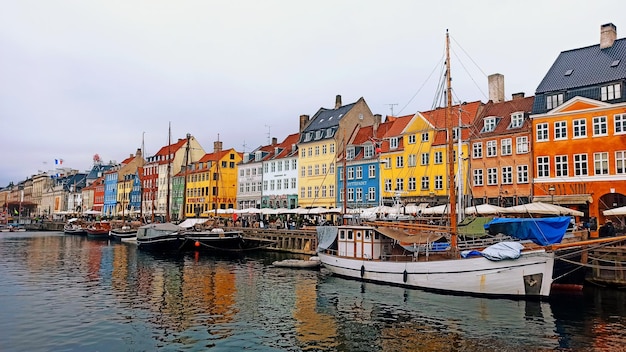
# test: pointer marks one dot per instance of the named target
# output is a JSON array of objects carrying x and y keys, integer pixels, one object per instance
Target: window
[
  {"x": 350, "y": 153},
  {"x": 324, "y": 149},
  {"x": 387, "y": 185},
  {"x": 560, "y": 130},
  {"x": 387, "y": 163},
  {"x": 619, "y": 123},
  {"x": 438, "y": 182},
  {"x": 371, "y": 194},
  {"x": 521, "y": 145},
  {"x": 425, "y": 158},
  {"x": 331, "y": 148},
  {"x": 507, "y": 175},
  {"x": 522, "y": 174},
  {"x": 610, "y": 92},
  {"x": 477, "y": 150},
  {"x": 489, "y": 124},
  {"x": 599, "y": 126},
  {"x": 331, "y": 191},
  {"x": 492, "y": 148},
  {"x": 279, "y": 166},
  {"x": 412, "y": 184},
  {"x": 309, "y": 192},
  {"x": 412, "y": 160},
  {"x": 371, "y": 171},
  {"x": 359, "y": 172},
  {"x": 411, "y": 139},
  {"x": 506, "y": 148},
  {"x": 350, "y": 174},
  {"x": 324, "y": 169},
  {"x": 601, "y": 163},
  {"x": 517, "y": 119},
  {"x": 478, "y": 177},
  {"x": 310, "y": 151},
  {"x": 425, "y": 137},
  {"x": 309, "y": 170},
  {"x": 492, "y": 176},
  {"x": 331, "y": 168},
  {"x": 399, "y": 184},
  {"x": 560, "y": 164},
  {"x": 580, "y": 165},
  {"x": 393, "y": 143},
  {"x": 552, "y": 101},
  {"x": 399, "y": 161},
  {"x": 543, "y": 166},
  {"x": 368, "y": 151},
  {"x": 455, "y": 133},
  {"x": 542, "y": 132},
  {"x": 425, "y": 185},
  {"x": 620, "y": 162},
  {"x": 580, "y": 128},
  {"x": 438, "y": 157},
  {"x": 359, "y": 194},
  {"x": 351, "y": 194}
]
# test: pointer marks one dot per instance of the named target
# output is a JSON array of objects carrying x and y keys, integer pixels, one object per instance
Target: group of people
[{"x": 607, "y": 230}]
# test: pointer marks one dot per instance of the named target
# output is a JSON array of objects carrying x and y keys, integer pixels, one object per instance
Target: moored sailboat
[{"x": 429, "y": 257}]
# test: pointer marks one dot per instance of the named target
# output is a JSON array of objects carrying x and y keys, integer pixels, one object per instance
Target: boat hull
[
  {"x": 121, "y": 234},
  {"x": 222, "y": 242},
  {"x": 528, "y": 276}
]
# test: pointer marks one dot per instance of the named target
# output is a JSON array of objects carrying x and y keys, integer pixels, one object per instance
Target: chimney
[
  {"x": 377, "y": 120},
  {"x": 518, "y": 96},
  {"x": 139, "y": 154},
  {"x": 496, "y": 87},
  {"x": 217, "y": 146},
  {"x": 608, "y": 34},
  {"x": 293, "y": 147},
  {"x": 337, "y": 101},
  {"x": 274, "y": 141},
  {"x": 304, "y": 120}
]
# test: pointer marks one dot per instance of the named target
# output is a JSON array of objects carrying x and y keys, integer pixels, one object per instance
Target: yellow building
[
  {"x": 321, "y": 141},
  {"x": 125, "y": 178},
  {"x": 212, "y": 183}
]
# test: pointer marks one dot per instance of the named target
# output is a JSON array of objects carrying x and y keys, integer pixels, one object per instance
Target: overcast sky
[{"x": 84, "y": 77}]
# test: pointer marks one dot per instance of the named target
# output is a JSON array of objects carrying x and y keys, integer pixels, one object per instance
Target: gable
[{"x": 578, "y": 104}]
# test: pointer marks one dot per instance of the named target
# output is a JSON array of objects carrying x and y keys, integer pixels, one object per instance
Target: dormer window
[
  {"x": 554, "y": 100},
  {"x": 318, "y": 134},
  {"x": 610, "y": 92},
  {"x": 368, "y": 151},
  {"x": 350, "y": 153},
  {"x": 393, "y": 143},
  {"x": 329, "y": 133},
  {"x": 489, "y": 124},
  {"x": 308, "y": 136},
  {"x": 517, "y": 119},
  {"x": 257, "y": 156},
  {"x": 455, "y": 133}
]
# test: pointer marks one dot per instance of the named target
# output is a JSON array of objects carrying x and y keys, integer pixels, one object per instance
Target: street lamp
[{"x": 551, "y": 191}]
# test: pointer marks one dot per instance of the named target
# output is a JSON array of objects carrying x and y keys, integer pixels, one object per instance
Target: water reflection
[{"x": 60, "y": 291}]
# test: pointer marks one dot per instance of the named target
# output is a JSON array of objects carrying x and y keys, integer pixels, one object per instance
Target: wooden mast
[
  {"x": 169, "y": 171},
  {"x": 184, "y": 205},
  {"x": 450, "y": 144}
]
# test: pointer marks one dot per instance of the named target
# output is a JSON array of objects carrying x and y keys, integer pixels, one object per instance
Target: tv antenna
[
  {"x": 269, "y": 134},
  {"x": 391, "y": 107}
]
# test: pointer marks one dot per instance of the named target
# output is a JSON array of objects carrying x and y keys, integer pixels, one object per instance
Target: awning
[
  {"x": 406, "y": 238},
  {"x": 565, "y": 199}
]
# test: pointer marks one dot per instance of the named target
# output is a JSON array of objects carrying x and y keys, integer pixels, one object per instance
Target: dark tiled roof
[
  {"x": 503, "y": 110},
  {"x": 326, "y": 118},
  {"x": 590, "y": 66}
]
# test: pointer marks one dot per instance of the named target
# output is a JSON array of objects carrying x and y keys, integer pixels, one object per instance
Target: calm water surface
[{"x": 68, "y": 293}]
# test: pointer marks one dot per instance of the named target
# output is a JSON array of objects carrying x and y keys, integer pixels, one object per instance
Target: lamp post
[{"x": 551, "y": 191}]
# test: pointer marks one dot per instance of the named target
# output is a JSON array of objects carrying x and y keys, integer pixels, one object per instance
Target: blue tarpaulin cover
[{"x": 542, "y": 231}]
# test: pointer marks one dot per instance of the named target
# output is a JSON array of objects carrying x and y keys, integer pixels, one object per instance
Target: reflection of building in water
[
  {"x": 314, "y": 330},
  {"x": 121, "y": 272},
  {"x": 183, "y": 292}
]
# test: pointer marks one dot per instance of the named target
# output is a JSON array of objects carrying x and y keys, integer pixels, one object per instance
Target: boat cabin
[{"x": 361, "y": 242}]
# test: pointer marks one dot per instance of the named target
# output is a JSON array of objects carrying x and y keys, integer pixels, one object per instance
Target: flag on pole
[
  {"x": 58, "y": 161},
  {"x": 15, "y": 211}
]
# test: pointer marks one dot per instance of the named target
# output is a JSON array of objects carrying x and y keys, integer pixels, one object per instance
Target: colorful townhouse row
[{"x": 566, "y": 145}]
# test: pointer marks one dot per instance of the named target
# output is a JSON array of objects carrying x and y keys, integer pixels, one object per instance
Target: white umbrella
[
  {"x": 248, "y": 211},
  {"x": 542, "y": 208},
  {"x": 484, "y": 209},
  {"x": 615, "y": 211}
]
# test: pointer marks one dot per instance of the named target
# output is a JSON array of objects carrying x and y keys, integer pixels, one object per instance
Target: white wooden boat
[{"x": 365, "y": 253}]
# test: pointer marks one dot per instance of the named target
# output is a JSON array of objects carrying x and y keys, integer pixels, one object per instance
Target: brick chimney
[
  {"x": 377, "y": 121},
  {"x": 304, "y": 120},
  {"x": 496, "y": 87},
  {"x": 139, "y": 154},
  {"x": 518, "y": 95},
  {"x": 217, "y": 146},
  {"x": 608, "y": 34},
  {"x": 274, "y": 141},
  {"x": 337, "y": 101}
]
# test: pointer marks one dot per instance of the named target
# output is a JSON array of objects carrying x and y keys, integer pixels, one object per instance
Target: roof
[
  {"x": 589, "y": 66},
  {"x": 437, "y": 118},
  {"x": 503, "y": 110},
  {"x": 286, "y": 146},
  {"x": 327, "y": 118}
]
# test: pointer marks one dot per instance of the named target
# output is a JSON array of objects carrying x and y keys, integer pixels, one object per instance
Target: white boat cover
[
  {"x": 191, "y": 222},
  {"x": 502, "y": 251}
]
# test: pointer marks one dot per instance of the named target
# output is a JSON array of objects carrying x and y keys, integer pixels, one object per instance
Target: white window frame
[
  {"x": 506, "y": 146},
  {"x": 601, "y": 163},
  {"x": 478, "y": 177},
  {"x": 579, "y": 127},
  {"x": 600, "y": 126},
  {"x": 560, "y": 130},
  {"x": 543, "y": 167},
  {"x": 581, "y": 165},
  {"x": 542, "y": 132}
]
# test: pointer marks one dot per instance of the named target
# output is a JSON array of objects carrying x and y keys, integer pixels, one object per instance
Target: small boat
[
  {"x": 160, "y": 237},
  {"x": 313, "y": 263},
  {"x": 16, "y": 228},
  {"x": 123, "y": 232},
  {"x": 75, "y": 226},
  {"x": 99, "y": 230}
]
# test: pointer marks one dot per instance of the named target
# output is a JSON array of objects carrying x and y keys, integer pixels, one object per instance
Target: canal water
[{"x": 69, "y": 293}]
